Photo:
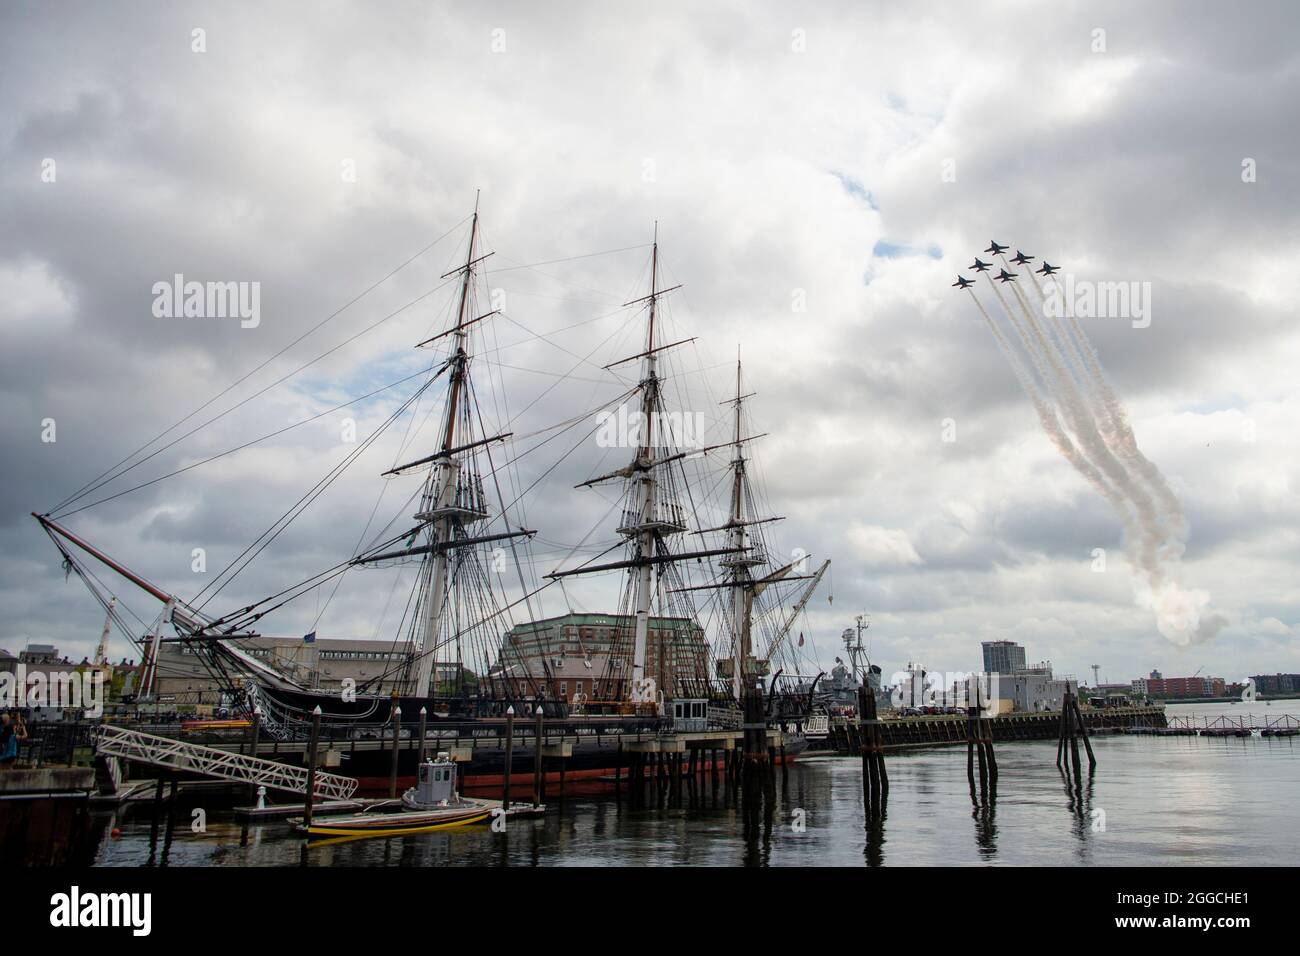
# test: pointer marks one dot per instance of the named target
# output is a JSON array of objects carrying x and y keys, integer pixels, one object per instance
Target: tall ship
[{"x": 480, "y": 650}]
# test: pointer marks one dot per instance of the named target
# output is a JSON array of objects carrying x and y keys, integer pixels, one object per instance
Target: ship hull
[
  {"x": 595, "y": 759},
  {"x": 592, "y": 768}
]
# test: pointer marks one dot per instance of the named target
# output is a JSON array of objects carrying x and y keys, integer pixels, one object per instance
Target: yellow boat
[
  {"x": 432, "y": 805},
  {"x": 397, "y": 824}
]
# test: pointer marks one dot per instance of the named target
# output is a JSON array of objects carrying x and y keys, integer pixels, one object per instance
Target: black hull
[
  {"x": 592, "y": 765},
  {"x": 357, "y": 734}
]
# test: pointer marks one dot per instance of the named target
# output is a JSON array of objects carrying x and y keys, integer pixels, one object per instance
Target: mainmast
[
  {"x": 651, "y": 514},
  {"x": 642, "y": 691},
  {"x": 741, "y": 560},
  {"x": 442, "y": 509}
]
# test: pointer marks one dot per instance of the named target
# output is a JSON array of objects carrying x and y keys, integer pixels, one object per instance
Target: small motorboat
[{"x": 432, "y": 804}]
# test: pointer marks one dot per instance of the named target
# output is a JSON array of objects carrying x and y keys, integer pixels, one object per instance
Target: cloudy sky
[{"x": 819, "y": 175}]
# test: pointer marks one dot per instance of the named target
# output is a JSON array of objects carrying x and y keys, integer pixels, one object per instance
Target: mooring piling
[
  {"x": 875, "y": 781},
  {"x": 1083, "y": 731},
  {"x": 1072, "y": 727},
  {"x": 618, "y": 774},
  {"x": 310, "y": 796},
  {"x": 396, "y": 718},
  {"x": 510, "y": 752},
  {"x": 538, "y": 778}
]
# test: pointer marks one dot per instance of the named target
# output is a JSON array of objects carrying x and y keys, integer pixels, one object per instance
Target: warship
[{"x": 467, "y": 520}]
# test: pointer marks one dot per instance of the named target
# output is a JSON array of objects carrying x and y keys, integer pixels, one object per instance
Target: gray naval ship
[{"x": 838, "y": 695}]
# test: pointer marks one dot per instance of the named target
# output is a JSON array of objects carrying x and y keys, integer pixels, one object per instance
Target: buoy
[{"x": 115, "y": 833}]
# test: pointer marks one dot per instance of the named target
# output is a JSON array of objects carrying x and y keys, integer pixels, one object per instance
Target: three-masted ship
[{"x": 467, "y": 533}]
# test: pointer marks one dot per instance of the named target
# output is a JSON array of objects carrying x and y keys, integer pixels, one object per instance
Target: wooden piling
[
  {"x": 1083, "y": 730},
  {"x": 310, "y": 796},
  {"x": 538, "y": 778},
  {"x": 1060, "y": 734},
  {"x": 510, "y": 752},
  {"x": 618, "y": 773},
  {"x": 988, "y": 747},
  {"x": 875, "y": 782},
  {"x": 880, "y": 761},
  {"x": 255, "y": 732},
  {"x": 396, "y": 718},
  {"x": 424, "y": 725},
  {"x": 970, "y": 748}
]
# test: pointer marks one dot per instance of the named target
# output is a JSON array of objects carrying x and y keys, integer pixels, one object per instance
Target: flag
[
  {"x": 309, "y": 638},
  {"x": 801, "y": 638}
]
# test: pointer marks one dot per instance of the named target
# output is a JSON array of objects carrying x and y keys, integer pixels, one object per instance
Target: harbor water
[{"x": 1152, "y": 801}]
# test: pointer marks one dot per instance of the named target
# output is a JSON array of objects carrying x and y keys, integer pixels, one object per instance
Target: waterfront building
[
  {"x": 1173, "y": 688},
  {"x": 1277, "y": 684},
  {"x": 577, "y": 650},
  {"x": 325, "y": 663},
  {"x": 1032, "y": 690},
  {"x": 1003, "y": 657}
]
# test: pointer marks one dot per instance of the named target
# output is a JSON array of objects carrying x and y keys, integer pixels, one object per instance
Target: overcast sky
[{"x": 788, "y": 154}]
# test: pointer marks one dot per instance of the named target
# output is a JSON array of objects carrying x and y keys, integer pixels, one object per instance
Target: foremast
[{"x": 452, "y": 498}]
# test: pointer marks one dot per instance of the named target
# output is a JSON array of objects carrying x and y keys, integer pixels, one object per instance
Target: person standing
[{"x": 12, "y": 731}]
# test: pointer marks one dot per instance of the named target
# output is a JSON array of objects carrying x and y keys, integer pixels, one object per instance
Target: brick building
[{"x": 579, "y": 648}]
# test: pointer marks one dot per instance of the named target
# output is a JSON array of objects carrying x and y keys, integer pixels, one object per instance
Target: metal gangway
[
  {"x": 175, "y": 754},
  {"x": 1284, "y": 725}
]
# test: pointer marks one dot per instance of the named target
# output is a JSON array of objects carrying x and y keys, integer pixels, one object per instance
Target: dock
[{"x": 939, "y": 730}]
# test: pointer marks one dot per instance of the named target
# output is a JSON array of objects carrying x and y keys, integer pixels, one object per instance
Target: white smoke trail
[
  {"x": 1052, "y": 425},
  {"x": 1074, "y": 360},
  {"x": 1084, "y": 423},
  {"x": 1107, "y": 455},
  {"x": 1145, "y": 544},
  {"x": 1117, "y": 419}
]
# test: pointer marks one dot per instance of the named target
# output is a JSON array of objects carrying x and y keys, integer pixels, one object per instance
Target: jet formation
[{"x": 1020, "y": 259}]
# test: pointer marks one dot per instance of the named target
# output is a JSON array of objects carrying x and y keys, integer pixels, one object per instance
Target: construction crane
[
  {"x": 795, "y": 611},
  {"x": 101, "y": 652}
]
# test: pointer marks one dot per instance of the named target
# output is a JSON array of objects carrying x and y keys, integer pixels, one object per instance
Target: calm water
[{"x": 1176, "y": 800}]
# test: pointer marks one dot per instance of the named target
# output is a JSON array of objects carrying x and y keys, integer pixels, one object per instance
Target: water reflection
[
  {"x": 820, "y": 813},
  {"x": 1084, "y": 817}
]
